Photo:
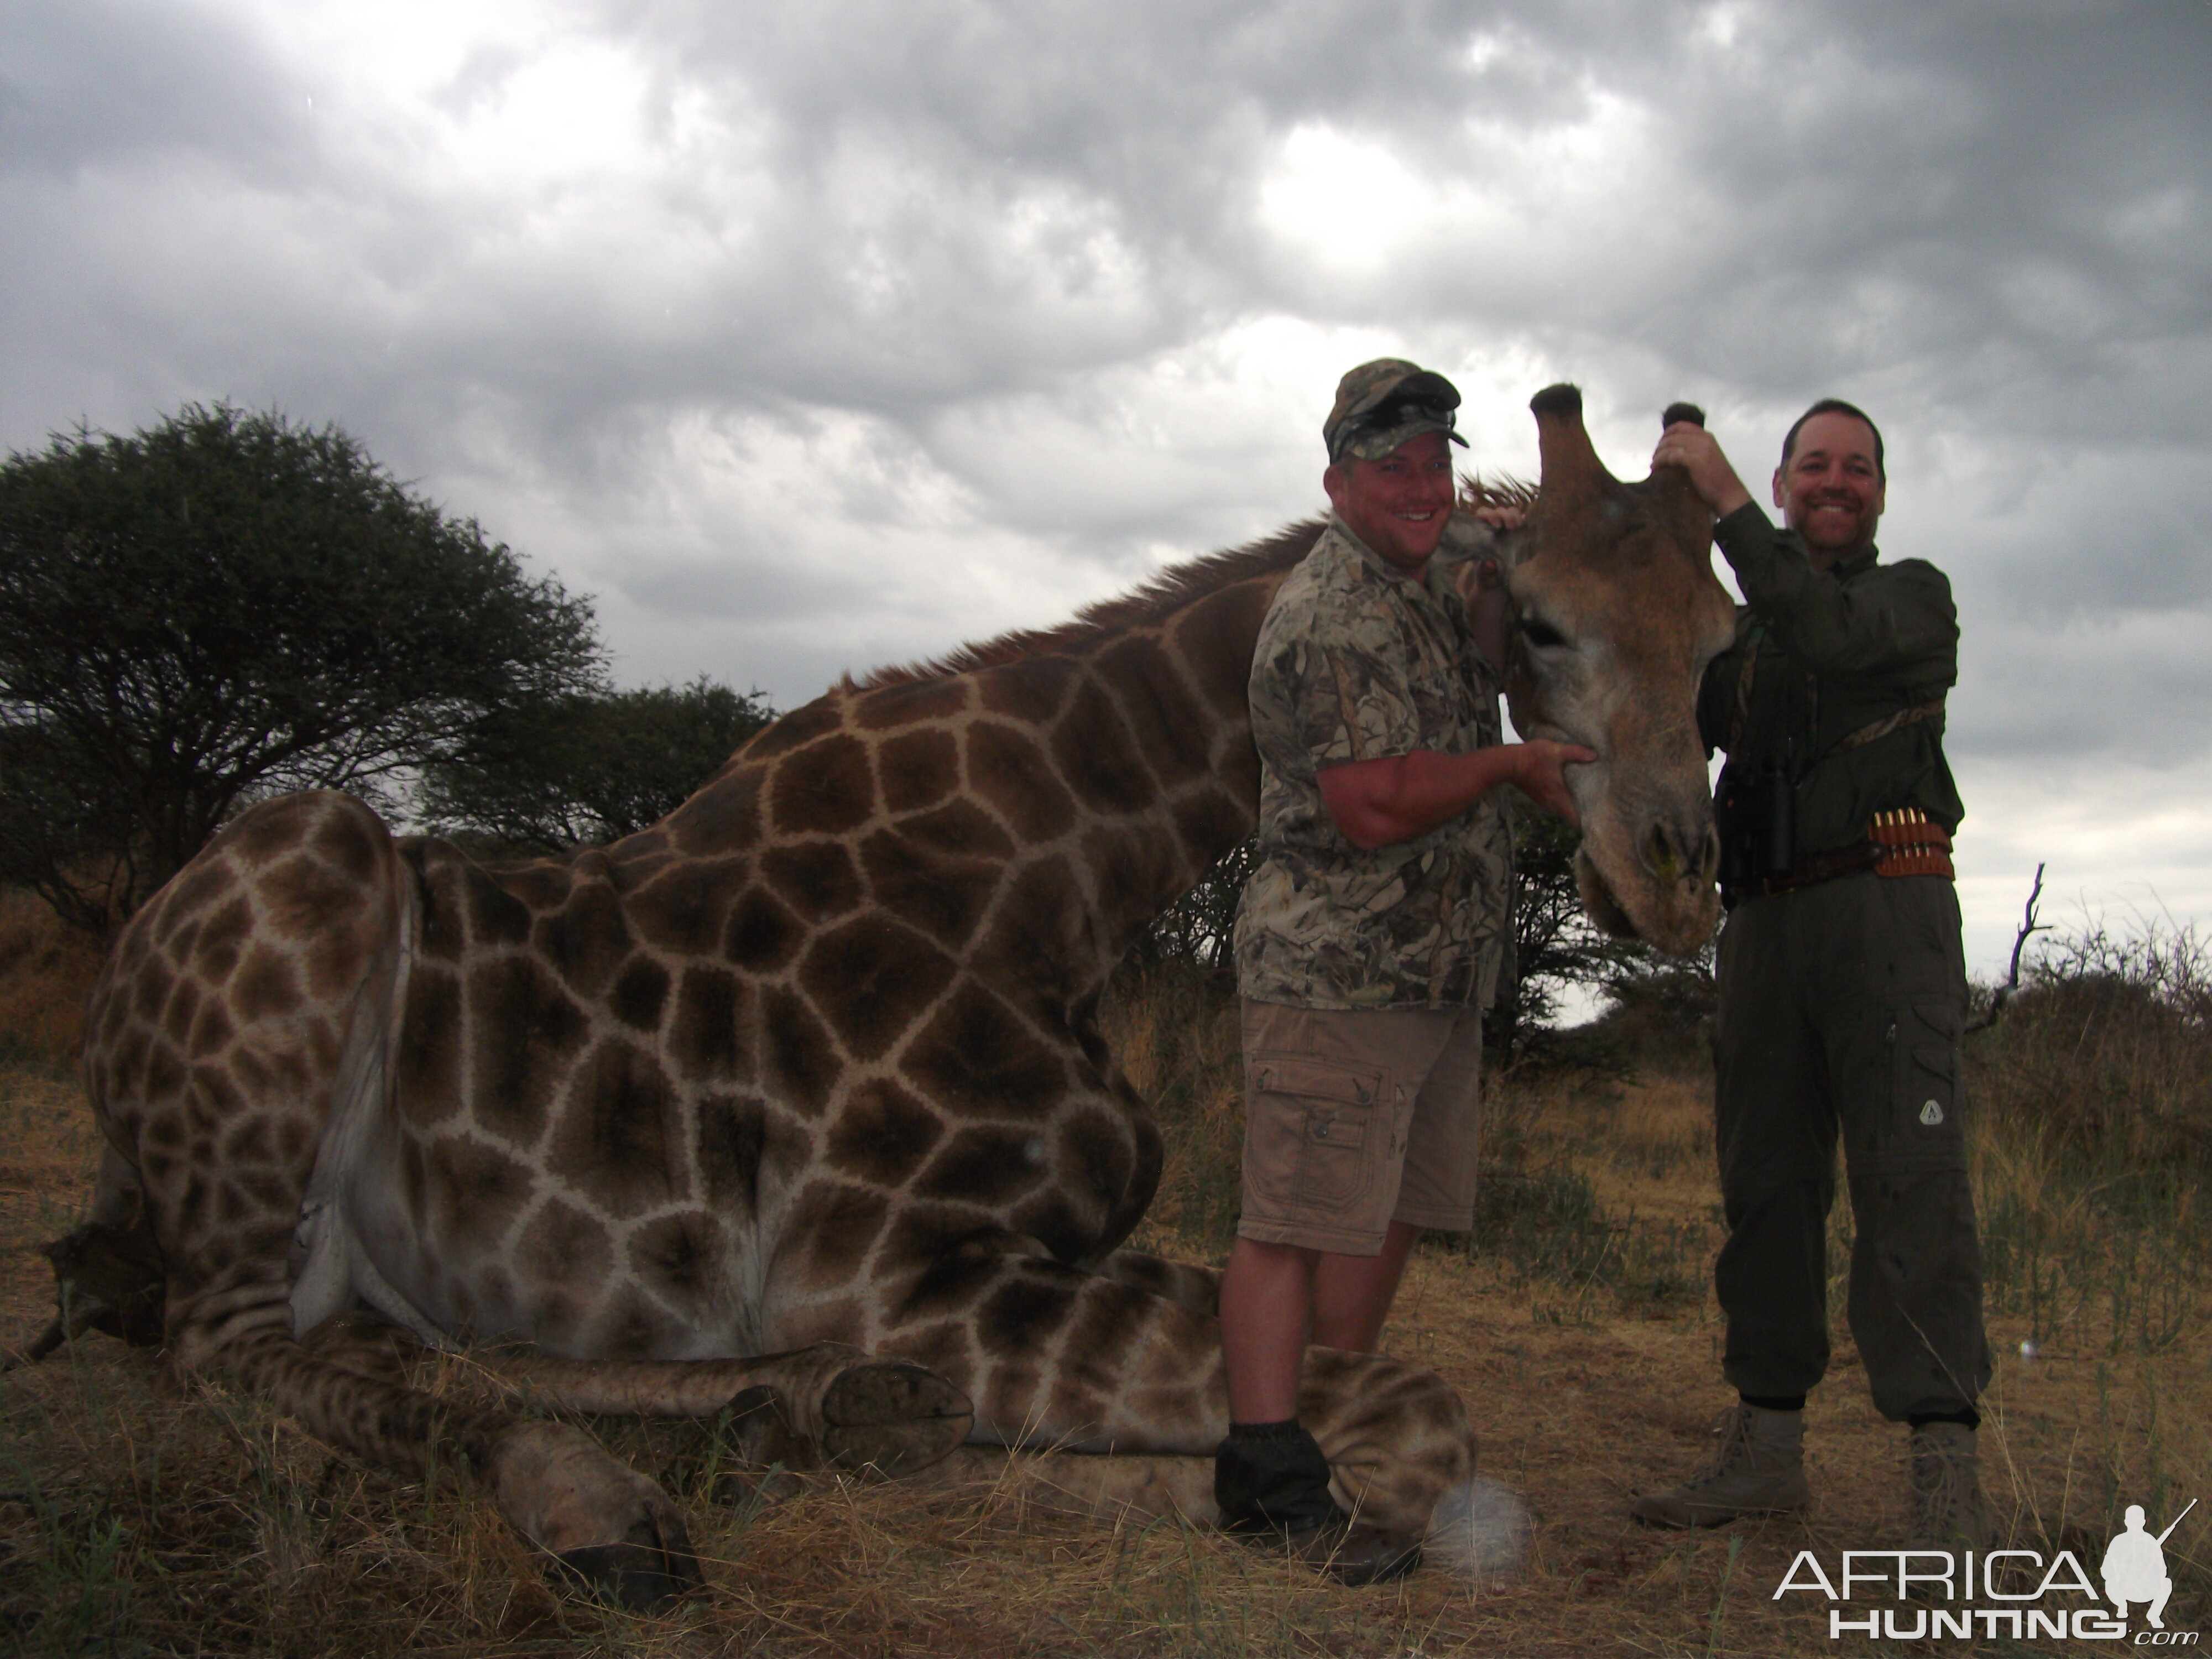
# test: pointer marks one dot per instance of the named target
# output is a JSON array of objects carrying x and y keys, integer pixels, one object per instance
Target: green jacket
[{"x": 1838, "y": 652}]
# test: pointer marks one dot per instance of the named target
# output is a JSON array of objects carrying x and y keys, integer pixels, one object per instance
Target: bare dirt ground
[{"x": 136, "y": 1520}]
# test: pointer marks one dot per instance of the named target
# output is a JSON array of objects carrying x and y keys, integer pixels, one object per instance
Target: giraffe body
[{"x": 794, "y": 1098}]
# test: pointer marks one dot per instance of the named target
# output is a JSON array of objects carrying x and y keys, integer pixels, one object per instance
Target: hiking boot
[
  {"x": 1948, "y": 1510},
  {"x": 1758, "y": 1468},
  {"x": 1271, "y": 1481}
]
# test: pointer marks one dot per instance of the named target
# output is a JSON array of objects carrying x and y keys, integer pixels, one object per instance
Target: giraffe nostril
[{"x": 1667, "y": 855}]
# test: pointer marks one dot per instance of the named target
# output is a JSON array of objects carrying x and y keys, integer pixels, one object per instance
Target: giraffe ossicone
[{"x": 794, "y": 1104}]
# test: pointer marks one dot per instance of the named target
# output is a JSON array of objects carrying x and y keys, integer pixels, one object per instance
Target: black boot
[{"x": 1271, "y": 1482}]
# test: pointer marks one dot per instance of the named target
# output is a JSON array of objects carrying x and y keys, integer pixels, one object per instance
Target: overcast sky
[{"x": 809, "y": 336}]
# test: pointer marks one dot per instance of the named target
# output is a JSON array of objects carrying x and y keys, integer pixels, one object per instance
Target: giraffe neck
[
  {"x": 1027, "y": 806},
  {"x": 1187, "y": 707}
]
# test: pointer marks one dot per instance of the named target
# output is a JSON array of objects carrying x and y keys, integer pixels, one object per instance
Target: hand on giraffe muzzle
[{"x": 1541, "y": 773}]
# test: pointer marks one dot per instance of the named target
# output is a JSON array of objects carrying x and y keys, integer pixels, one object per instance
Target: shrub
[{"x": 2107, "y": 1050}]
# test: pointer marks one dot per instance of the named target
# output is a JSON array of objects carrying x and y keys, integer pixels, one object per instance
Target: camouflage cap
[{"x": 1386, "y": 404}]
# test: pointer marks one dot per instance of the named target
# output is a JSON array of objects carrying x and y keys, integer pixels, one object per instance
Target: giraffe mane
[
  {"x": 1166, "y": 591},
  {"x": 1160, "y": 596}
]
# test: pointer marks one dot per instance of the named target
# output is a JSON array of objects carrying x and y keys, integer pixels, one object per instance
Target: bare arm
[{"x": 1377, "y": 803}]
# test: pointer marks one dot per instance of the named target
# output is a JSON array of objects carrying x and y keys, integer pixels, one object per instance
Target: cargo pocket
[
  {"x": 1341, "y": 1128},
  {"x": 1926, "y": 1096}
]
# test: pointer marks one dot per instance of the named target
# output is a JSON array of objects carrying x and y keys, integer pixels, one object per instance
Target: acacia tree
[
  {"x": 1199, "y": 927},
  {"x": 226, "y": 606},
  {"x": 590, "y": 766}
]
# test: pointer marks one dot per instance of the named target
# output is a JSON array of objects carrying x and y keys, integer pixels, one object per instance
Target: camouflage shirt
[{"x": 1357, "y": 662}]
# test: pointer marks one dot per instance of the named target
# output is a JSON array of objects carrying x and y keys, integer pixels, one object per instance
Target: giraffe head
[{"x": 1619, "y": 614}]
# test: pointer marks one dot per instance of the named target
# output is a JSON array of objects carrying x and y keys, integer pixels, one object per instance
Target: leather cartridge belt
[{"x": 1904, "y": 843}]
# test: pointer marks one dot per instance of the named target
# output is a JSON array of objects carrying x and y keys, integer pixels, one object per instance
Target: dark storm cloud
[
  {"x": 2013, "y": 189},
  {"x": 811, "y": 336},
  {"x": 86, "y": 81}
]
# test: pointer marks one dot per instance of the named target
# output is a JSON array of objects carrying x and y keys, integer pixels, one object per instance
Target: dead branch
[{"x": 2028, "y": 928}]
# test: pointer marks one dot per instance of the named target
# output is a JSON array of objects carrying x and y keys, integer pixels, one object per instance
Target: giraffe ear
[{"x": 1467, "y": 540}]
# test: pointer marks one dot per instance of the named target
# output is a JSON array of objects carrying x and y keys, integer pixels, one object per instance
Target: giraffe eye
[{"x": 1539, "y": 634}]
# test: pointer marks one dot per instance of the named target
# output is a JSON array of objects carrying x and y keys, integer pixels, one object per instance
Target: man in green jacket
[{"x": 1842, "y": 984}]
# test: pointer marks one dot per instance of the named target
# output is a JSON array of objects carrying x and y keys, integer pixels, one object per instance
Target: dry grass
[
  {"x": 1580, "y": 1333},
  {"x": 47, "y": 971}
]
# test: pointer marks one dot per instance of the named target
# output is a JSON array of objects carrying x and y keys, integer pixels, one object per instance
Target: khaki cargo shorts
[{"x": 1355, "y": 1118}]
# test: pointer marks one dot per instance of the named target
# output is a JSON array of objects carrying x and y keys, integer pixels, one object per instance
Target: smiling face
[
  {"x": 1400, "y": 505},
  {"x": 1829, "y": 487}
]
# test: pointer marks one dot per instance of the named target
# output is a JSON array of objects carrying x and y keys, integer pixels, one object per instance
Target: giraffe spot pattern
[
  {"x": 1096, "y": 753},
  {"x": 883, "y": 1135},
  {"x": 708, "y": 1040},
  {"x": 943, "y": 893},
  {"x": 817, "y": 880},
  {"x": 826, "y": 789},
  {"x": 918, "y": 770},
  {"x": 531, "y": 1030},
  {"x": 764, "y": 934},
  {"x": 677, "y": 1257},
  {"x": 640, "y": 991},
  {"x": 829, "y": 1024},
  {"x": 975, "y": 1058},
  {"x": 837, "y": 1225},
  {"x": 869, "y": 978},
  {"x": 802, "y": 1065},
  {"x": 1010, "y": 773},
  {"x": 898, "y": 706},
  {"x": 610, "y": 1134}
]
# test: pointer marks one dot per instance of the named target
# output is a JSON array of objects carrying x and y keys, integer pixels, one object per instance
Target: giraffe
[{"x": 794, "y": 1104}]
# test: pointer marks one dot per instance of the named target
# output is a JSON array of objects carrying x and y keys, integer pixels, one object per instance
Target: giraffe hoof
[
  {"x": 602, "y": 1521},
  {"x": 639, "y": 1574},
  {"x": 892, "y": 1417},
  {"x": 757, "y": 1430}
]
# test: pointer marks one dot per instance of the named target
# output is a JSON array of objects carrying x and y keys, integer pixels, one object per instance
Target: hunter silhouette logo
[
  {"x": 2135, "y": 1566},
  {"x": 1937, "y": 1592}
]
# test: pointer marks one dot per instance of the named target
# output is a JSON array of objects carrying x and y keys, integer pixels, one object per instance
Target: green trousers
[{"x": 1840, "y": 1013}]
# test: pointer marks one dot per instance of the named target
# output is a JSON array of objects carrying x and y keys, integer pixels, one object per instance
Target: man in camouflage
[
  {"x": 1842, "y": 984},
  {"x": 1368, "y": 942}
]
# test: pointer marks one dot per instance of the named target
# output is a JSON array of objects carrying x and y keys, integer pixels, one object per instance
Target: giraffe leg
[
  {"x": 603, "y": 1522},
  {"x": 1477, "y": 1528},
  {"x": 1395, "y": 1434},
  {"x": 1074, "y": 1362},
  {"x": 844, "y": 1409},
  {"x": 1086, "y": 1486},
  {"x": 1183, "y": 1283},
  {"x": 1383, "y": 1474},
  {"x": 246, "y": 1007}
]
